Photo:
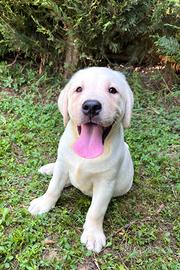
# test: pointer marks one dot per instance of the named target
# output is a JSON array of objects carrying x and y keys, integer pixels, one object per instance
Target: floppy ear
[
  {"x": 127, "y": 95},
  {"x": 63, "y": 103},
  {"x": 129, "y": 101}
]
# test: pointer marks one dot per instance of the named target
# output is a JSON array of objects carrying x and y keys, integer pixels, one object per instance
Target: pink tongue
[{"x": 89, "y": 144}]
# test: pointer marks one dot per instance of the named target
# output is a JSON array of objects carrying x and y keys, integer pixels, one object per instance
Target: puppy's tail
[{"x": 47, "y": 169}]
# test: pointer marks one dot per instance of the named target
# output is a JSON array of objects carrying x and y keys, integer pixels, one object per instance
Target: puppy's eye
[
  {"x": 112, "y": 90},
  {"x": 79, "y": 89}
]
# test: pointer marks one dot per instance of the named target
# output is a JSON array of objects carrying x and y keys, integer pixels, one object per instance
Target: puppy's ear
[
  {"x": 129, "y": 102},
  {"x": 63, "y": 103},
  {"x": 127, "y": 95}
]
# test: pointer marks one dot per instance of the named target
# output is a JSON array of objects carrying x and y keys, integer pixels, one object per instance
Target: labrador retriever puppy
[{"x": 96, "y": 104}]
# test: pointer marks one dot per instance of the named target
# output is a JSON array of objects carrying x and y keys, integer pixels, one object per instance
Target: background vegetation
[
  {"x": 64, "y": 34},
  {"x": 41, "y": 42}
]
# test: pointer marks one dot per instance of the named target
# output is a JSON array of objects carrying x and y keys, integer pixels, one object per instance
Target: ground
[{"x": 142, "y": 227}]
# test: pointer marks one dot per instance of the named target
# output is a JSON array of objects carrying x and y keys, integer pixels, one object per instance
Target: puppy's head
[
  {"x": 94, "y": 99},
  {"x": 97, "y": 96}
]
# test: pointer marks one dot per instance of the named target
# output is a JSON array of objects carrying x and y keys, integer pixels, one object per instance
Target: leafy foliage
[
  {"x": 167, "y": 41},
  {"x": 99, "y": 30},
  {"x": 169, "y": 47}
]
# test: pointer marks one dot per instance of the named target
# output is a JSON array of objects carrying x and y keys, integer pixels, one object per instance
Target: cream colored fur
[{"x": 104, "y": 177}]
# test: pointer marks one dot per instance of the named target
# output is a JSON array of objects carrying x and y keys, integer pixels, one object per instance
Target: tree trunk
[{"x": 71, "y": 58}]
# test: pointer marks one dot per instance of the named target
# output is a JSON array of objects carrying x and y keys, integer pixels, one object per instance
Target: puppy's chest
[{"x": 82, "y": 178}]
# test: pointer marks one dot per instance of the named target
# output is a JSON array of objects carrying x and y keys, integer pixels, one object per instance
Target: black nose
[{"x": 91, "y": 107}]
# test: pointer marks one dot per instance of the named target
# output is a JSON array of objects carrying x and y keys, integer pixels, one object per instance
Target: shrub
[
  {"x": 72, "y": 31},
  {"x": 167, "y": 42}
]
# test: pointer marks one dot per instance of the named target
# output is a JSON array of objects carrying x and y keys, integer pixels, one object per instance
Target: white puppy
[{"x": 92, "y": 156}]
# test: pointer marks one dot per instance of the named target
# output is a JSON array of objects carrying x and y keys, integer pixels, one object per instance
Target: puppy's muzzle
[{"x": 91, "y": 107}]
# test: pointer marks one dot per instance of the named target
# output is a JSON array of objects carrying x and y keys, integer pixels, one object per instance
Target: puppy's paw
[
  {"x": 41, "y": 205},
  {"x": 94, "y": 240},
  {"x": 47, "y": 169}
]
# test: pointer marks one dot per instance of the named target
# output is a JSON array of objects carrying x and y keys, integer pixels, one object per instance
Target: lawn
[{"x": 142, "y": 227}]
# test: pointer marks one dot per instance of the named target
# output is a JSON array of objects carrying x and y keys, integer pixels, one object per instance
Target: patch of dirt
[
  {"x": 89, "y": 264},
  {"x": 18, "y": 153},
  {"x": 9, "y": 91},
  {"x": 50, "y": 254}
]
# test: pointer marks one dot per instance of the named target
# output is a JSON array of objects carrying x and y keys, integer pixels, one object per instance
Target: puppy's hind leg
[{"x": 47, "y": 169}]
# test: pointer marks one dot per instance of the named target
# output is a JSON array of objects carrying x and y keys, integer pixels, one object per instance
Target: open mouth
[
  {"x": 90, "y": 143},
  {"x": 105, "y": 132}
]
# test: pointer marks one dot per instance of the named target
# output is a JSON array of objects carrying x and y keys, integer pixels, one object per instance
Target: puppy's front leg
[
  {"x": 93, "y": 236},
  {"x": 48, "y": 200}
]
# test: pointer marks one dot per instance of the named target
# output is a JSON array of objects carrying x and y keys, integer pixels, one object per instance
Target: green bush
[
  {"x": 167, "y": 42},
  {"x": 169, "y": 47},
  {"x": 72, "y": 31}
]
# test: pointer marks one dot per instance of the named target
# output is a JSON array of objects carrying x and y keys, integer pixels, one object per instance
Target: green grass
[{"x": 142, "y": 228}]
